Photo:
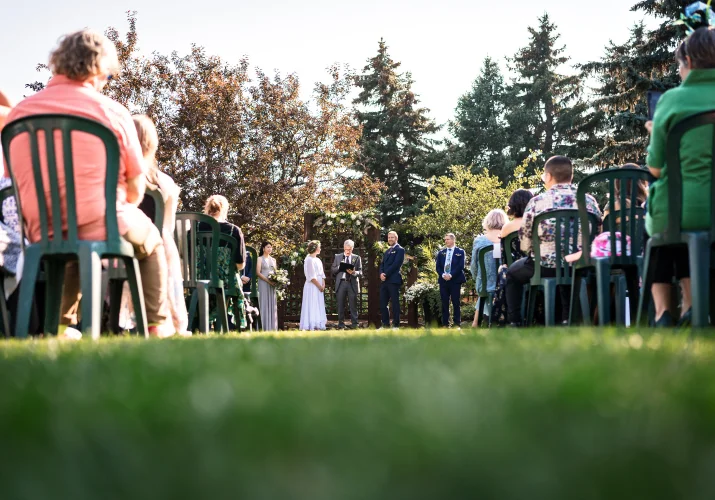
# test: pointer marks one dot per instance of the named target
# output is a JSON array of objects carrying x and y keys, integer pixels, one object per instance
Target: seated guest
[
  {"x": 559, "y": 194},
  {"x": 696, "y": 63},
  {"x": 158, "y": 180},
  {"x": 247, "y": 273},
  {"x": 492, "y": 225},
  {"x": 81, "y": 66},
  {"x": 641, "y": 192},
  {"x": 217, "y": 207},
  {"x": 517, "y": 204}
]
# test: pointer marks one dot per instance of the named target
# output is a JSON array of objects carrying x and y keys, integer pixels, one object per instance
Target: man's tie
[
  {"x": 347, "y": 275},
  {"x": 448, "y": 265}
]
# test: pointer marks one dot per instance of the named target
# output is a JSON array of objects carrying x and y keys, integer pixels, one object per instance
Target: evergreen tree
[
  {"x": 626, "y": 72},
  {"x": 546, "y": 109},
  {"x": 395, "y": 145},
  {"x": 480, "y": 126}
]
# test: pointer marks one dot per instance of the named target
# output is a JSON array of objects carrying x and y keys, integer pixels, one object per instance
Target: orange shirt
[{"x": 70, "y": 97}]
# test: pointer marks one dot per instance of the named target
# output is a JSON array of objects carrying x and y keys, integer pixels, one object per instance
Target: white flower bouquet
[{"x": 280, "y": 279}]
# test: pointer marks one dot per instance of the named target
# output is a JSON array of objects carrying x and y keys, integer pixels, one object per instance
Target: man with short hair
[
  {"x": 391, "y": 281},
  {"x": 347, "y": 283},
  {"x": 559, "y": 194},
  {"x": 450, "y": 269}
]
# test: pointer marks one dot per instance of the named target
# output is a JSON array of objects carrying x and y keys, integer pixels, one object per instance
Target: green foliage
[
  {"x": 458, "y": 202},
  {"x": 395, "y": 146}
]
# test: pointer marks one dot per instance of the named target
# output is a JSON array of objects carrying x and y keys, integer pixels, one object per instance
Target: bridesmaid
[{"x": 267, "y": 303}]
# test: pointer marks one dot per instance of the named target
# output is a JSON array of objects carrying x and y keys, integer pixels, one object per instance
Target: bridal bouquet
[{"x": 280, "y": 278}]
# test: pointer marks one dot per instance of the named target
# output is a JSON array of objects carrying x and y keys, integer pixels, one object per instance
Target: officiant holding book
[{"x": 346, "y": 269}]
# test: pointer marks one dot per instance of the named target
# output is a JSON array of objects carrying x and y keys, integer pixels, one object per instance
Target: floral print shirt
[{"x": 558, "y": 197}]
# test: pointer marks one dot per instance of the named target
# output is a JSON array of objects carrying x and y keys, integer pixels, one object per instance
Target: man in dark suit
[
  {"x": 347, "y": 283},
  {"x": 247, "y": 273},
  {"x": 450, "y": 269},
  {"x": 391, "y": 281}
]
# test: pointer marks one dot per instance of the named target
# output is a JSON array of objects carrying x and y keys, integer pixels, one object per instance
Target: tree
[
  {"x": 626, "y": 72},
  {"x": 274, "y": 156},
  {"x": 480, "y": 126},
  {"x": 547, "y": 111},
  {"x": 395, "y": 147}
]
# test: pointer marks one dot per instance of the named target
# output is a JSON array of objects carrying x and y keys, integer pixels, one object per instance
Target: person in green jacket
[{"x": 696, "y": 94}]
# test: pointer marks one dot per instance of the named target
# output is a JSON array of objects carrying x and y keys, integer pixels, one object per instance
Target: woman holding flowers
[{"x": 267, "y": 303}]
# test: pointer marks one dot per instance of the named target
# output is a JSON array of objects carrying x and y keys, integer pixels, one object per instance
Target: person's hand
[
  {"x": 649, "y": 126},
  {"x": 245, "y": 279},
  {"x": 447, "y": 277},
  {"x": 271, "y": 283},
  {"x": 383, "y": 277},
  {"x": 350, "y": 271}
]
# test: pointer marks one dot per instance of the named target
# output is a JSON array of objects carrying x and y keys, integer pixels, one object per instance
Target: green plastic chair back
[
  {"x": 157, "y": 200},
  {"x": 567, "y": 227},
  {"x": 56, "y": 246},
  {"x": 626, "y": 223},
  {"x": 198, "y": 253},
  {"x": 484, "y": 295},
  {"x": 254, "y": 276},
  {"x": 699, "y": 242},
  {"x": 510, "y": 243}
]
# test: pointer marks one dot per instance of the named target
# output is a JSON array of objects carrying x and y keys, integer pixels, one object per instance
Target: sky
[{"x": 442, "y": 43}]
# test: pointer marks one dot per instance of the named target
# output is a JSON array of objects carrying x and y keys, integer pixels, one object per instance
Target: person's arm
[
  {"x": 135, "y": 190},
  {"x": 396, "y": 264},
  {"x": 473, "y": 264},
  {"x": 240, "y": 259},
  {"x": 658, "y": 130},
  {"x": 5, "y": 100},
  {"x": 335, "y": 268},
  {"x": 358, "y": 266},
  {"x": 131, "y": 154},
  {"x": 310, "y": 275}
]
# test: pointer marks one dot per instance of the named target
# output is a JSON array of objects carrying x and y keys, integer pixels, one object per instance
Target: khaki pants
[{"x": 149, "y": 249}]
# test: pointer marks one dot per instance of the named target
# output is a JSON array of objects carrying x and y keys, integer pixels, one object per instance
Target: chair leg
[
  {"x": 134, "y": 278},
  {"x": 3, "y": 309},
  {"x": 202, "y": 293},
  {"x": 603, "y": 285},
  {"x": 645, "y": 297},
  {"x": 221, "y": 313},
  {"x": 576, "y": 284},
  {"x": 585, "y": 305},
  {"x": 699, "y": 255},
  {"x": 620, "y": 286},
  {"x": 193, "y": 304},
  {"x": 116, "y": 287},
  {"x": 55, "y": 272},
  {"x": 90, "y": 275},
  {"x": 632, "y": 277},
  {"x": 480, "y": 312},
  {"x": 532, "y": 306},
  {"x": 27, "y": 292},
  {"x": 550, "y": 303}
]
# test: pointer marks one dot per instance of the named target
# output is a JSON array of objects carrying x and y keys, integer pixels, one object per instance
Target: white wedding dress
[{"x": 312, "y": 312}]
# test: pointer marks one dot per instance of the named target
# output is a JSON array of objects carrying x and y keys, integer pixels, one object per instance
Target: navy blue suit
[
  {"x": 390, "y": 288},
  {"x": 451, "y": 290},
  {"x": 248, "y": 272}
]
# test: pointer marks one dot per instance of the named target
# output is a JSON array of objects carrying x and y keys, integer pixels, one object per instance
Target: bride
[{"x": 312, "y": 313}]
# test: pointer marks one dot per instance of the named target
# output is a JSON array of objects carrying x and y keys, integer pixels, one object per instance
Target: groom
[
  {"x": 347, "y": 283},
  {"x": 391, "y": 281},
  {"x": 450, "y": 269}
]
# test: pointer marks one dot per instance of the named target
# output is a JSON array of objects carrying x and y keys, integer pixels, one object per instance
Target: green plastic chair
[
  {"x": 116, "y": 273},
  {"x": 509, "y": 243},
  {"x": 629, "y": 221},
  {"x": 62, "y": 247},
  {"x": 253, "y": 294},
  {"x": 567, "y": 224},
  {"x": 482, "y": 293},
  {"x": 5, "y": 193},
  {"x": 198, "y": 252},
  {"x": 232, "y": 285},
  {"x": 699, "y": 243}
]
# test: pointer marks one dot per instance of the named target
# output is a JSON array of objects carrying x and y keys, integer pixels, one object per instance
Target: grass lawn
[{"x": 559, "y": 414}]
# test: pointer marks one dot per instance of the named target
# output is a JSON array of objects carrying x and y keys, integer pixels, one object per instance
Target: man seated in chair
[
  {"x": 558, "y": 193},
  {"x": 82, "y": 65}
]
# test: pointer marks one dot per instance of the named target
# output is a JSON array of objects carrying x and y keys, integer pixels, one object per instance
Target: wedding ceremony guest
[
  {"x": 391, "y": 281},
  {"x": 267, "y": 301},
  {"x": 696, "y": 63},
  {"x": 347, "y": 284},
  {"x": 492, "y": 224},
  {"x": 81, "y": 66},
  {"x": 559, "y": 193},
  {"x": 518, "y": 201},
  {"x": 450, "y": 269},
  {"x": 158, "y": 180},
  {"x": 312, "y": 312},
  {"x": 217, "y": 207},
  {"x": 247, "y": 273},
  {"x": 641, "y": 192}
]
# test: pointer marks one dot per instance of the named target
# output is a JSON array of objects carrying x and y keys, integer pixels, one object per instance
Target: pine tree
[
  {"x": 395, "y": 146},
  {"x": 546, "y": 109},
  {"x": 626, "y": 72},
  {"x": 480, "y": 126}
]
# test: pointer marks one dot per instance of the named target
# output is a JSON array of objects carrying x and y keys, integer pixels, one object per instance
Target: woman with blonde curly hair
[{"x": 312, "y": 312}]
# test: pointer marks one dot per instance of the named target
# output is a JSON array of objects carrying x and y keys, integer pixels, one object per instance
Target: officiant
[{"x": 346, "y": 269}]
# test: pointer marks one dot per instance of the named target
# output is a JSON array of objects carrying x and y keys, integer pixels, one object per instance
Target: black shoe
[
  {"x": 665, "y": 320},
  {"x": 686, "y": 319},
  {"x": 342, "y": 327}
]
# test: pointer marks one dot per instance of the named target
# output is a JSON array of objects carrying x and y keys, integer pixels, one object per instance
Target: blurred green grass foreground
[{"x": 414, "y": 414}]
